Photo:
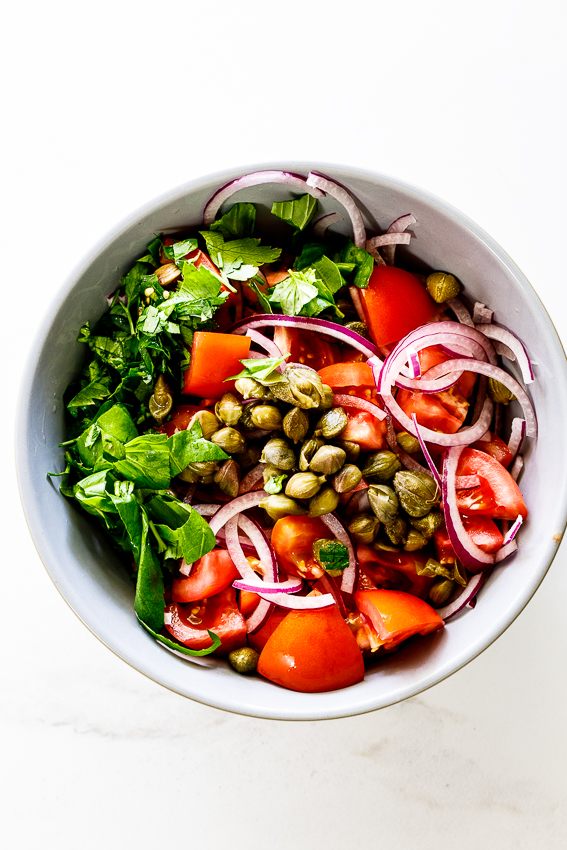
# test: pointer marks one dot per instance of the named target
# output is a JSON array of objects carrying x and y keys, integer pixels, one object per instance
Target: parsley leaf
[
  {"x": 293, "y": 293},
  {"x": 238, "y": 259},
  {"x": 297, "y": 213},
  {"x": 237, "y": 223}
]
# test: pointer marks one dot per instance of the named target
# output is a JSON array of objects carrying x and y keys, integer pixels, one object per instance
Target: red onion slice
[
  {"x": 292, "y": 585},
  {"x": 360, "y": 403},
  {"x": 397, "y": 226},
  {"x": 265, "y": 552},
  {"x": 513, "y": 530},
  {"x": 267, "y": 344},
  {"x": 517, "y": 467},
  {"x": 343, "y": 197},
  {"x": 468, "y": 594},
  {"x": 330, "y": 329},
  {"x": 473, "y": 558},
  {"x": 460, "y": 311},
  {"x": 251, "y": 478},
  {"x": 357, "y": 301},
  {"x": 425, "y": 451},
  {"x": 350, "y": 575},
  {"x": 511, "y": 342},
  {"x": 387, "y": 239},
  {"x": 506, "y": 551},
  {"x": 236, "y": 506},
  {"x": 404, "y": 458},
  {"x": 255, "y": 179},
  {"x": 320, "y": 226},
  {"x": 482, "y": 314},
  {"x": 236, "y": 552},
  {"x": 517, "y": 434}
]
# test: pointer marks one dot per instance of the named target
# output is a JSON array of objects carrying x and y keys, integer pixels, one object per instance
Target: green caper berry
[
  {"x": 381, "y": 466},
  {"x": 327, "y": 460},
  {"x": 498, "y": 392},
  {"x": 300, "y": 387},
  {"x": 414, "y": 541},
  {"x": 383, "y": 545},
  {"x": 384, "y": 502},
  {"x": 161, "y": 401},
  {"x": 331, "y": 423},
  {"x": 428, "y": 524},
  {"x": 308, "y": 450},
  {"x": 364, "y": 528},
  {"x": 204, "y": 468},
  {"x": 324, "y": 502},
  {"x": 250, "y": 457},
  {"x": 208, "y": 422},
  {"x": 278, "y": 506},
  {"x": 327, "y": 398},
  {"x": 228, "y": 478},
  {"x": 407, "y": 442},
  {"x": 360, "y": 328},
  {"x": 441, "y": 590},
  {"x": 267, "y": 417},
  {"x": 245, "y": 423},
  {"x": 347, "y": 478},
  {"x": 188, "y": 476},
  {"x": 278, "y": 452},
  {"x": 296, "y": 424},
  {"x": 396, "y": 531},
  {"x": 244, "y": 660},
  {"x": 208, "y": 479},
  {"x": 249, "y": 388},
  {"x": 228, "y": 409},
  {"x": 230, "y": 440},
  {"x": 304, "y": 485},
  {"x": 351, "y": 449},
  {"x": 442, "y": 286},
  {"x": 417, "y": 492}
]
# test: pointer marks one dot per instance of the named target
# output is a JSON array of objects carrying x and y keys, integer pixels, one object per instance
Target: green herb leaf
[
  {"x": 191, "y": 447},
  {"x": 147, "y": 462},
  {"x": 297, "y": 213},
  {"x": 178, "y": 647},
  {"x": 293, "y": 293},
  {"x": 263, "y": 370},
  {"x": 333, "y": 555},
  {"x": 274, "y": 484},
  {"x": 149, "y": 603},
  {"x": 237, "y": 223},
  {"x": 363, "y": 261},
  {"x": 262, "y": 299},
  {"x": 238, "y": 259},
  {"x": 311, "y": 252}
]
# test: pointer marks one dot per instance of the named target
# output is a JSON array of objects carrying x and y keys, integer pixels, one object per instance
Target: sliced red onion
[
  {"x": 188, "y": 498},
  {"x": 473, "y": 558},
  {"x": 360, "y": 403},
  {"x": 482, "y": 314},
  {"x": 425, "y": 451},
  {"x": 267, "y": 344},
  {"x": 397, "y": 226},
  {"x": 506, "y": 551},
  {"x": 292, "y": 585},
  {"x": 407, "y": 460},
  {"x": 358, "y": 503},
  {"x": 122, "y": 298},
  {"x": 265, "y": 320},
  {"x": 517, "y": 467},
  {"x": 236, "y": 552},
  {"x": 260, "y": 616},
  {"x": 350, "y": 575},
  {"x": 330, "y": 587},
  {"x": 466, "y": 482},
  {"x": 499, "y": 375},
  {"x": 387, "y": 239},
  {"x": 517, "y": 434},
  {"x": 343, "y": 197},
  {"x": 512, "y": 343},
  {"x": 357, "y": 302},
  {"x": 236, "y": 506},
  {"x": 460, "y": 311},
  {"x": 251, "y": 478},
  {"x": 513, "y": 530},
  {"x": 468, "y": 594},
  {"x": 320, "y": 226},
  {"x": 265, "y": 552},
  {"x": 255, "y": 179},
  {"x": 300, "y": 603},
  {"x": 425, "y": 386}
]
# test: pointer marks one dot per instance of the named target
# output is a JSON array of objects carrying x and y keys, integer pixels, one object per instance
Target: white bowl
[{"x": 90, "y": 576}]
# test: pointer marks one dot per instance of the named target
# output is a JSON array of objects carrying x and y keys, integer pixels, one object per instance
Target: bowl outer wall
[{"x": 87, "y": 571}]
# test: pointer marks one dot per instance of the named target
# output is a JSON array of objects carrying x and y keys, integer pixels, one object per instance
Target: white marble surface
[{"x": 108, "y": 105}]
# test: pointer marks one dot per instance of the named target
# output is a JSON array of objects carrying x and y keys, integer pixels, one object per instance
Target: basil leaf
[
  {"x": 310, "y": 253},
  {"x": 364, "y": 264},
  {"x": 89, "y": 395},
  {"x": 297, "y": 213},
  {"x": 146, "y": 462},
  {"x": 91, "y": 493},
  {"x": 191, "y": 447},
  {"x": 184, "y": 650},
  {"x": 129, "y": 512},
  {"x": 237, "y": 223},
  {"x": 263, "y": 370},
  {"x": 196, "y": 538},
  {"x": 149, "y": 603},
  {"x": 293, "y": 293},
  {"x": 328, "y": 272}
]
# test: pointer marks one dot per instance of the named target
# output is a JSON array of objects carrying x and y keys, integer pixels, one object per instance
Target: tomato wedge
[
  {"x": 292, "y": 540},
  {"x": 312, "y": 651},
  {"x": 306, "y": 347},
  {"x": 219, "y": 614},
  {"x": 209, "y": 575},
  {"x": 498, "y": 495},
  {"x": 394, "y": 570},
  {"x": 483, "y": 532},
  {"x": 364, "y": 429},
  {"x": 395, "y": 303},
  {"x": 396, "y": 615},
  {"x": 260, "y": 638},
  {"x": 430, "y": 411},
  {"x": 495, "y": 447},
  {"x": 214, "y": 357},
  {"x": 346, "y": 376}
]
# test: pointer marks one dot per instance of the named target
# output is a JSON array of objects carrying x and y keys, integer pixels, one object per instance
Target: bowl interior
[{"x": 90, "y": 576}]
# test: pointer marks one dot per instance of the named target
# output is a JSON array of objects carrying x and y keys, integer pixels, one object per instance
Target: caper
[
  {"x": 498, "y": 392},
  {"x": 407, "y": 442},
  {"x": 300, "y": 387},
  {"x": 441, "y": 590},
  {"x": 383, "y": 502},
  {"x": 244, "y": 660},
  {"x": 230, "y": 440},
  {"x": 396, "y": 530},
  {"x": 161, "y": 401},
  {"x": 324, "y": 502},
  {"x": 273, "y": 479},
  {"x": 249, "y": 388},
  {"x": 442, "y": 286},
  {"x": 428, "y": 524},
  {"x": 250, "y": 457},
  {"x": 352, "y": 450},
  {"x": 228, "y": 409},
  {"x": 381, "y": 466},
  {"x": 417, "y": 492},
  {"x": 278, "y": 452},
  {"x": 208, "y": 422},
  {"x": 360, "y": 328},
  {"x": 308, "y": 450},
  {"x": 202, "y": 468},
  {"x": 331, "y": 555},
  {"x": 327, "y": 460},
  {"x": 245, "y": 423},
  {"x": 382, "y": 544},
  {"x": 279, "y": 506},
  {"x": 188, "y": 476},
  {"x": 304, "y": 485},
  {"x": 267, "y": 417},
  {"x": 328, "y": 397},
  {"x": 331, "y": 423},
  {"x": 364, "y": 527},
  {"x": 296, "y": 424},
  {"x": 228, "y": 478},
  {"x": 208, "y": 479},
  {"x": 414, "y": 540},
  {"x": 347, "y": 478}
]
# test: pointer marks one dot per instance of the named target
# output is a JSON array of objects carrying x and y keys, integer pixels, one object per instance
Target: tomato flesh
[
  {"x": 364, "y": 429},
  {"x": 346, "y": 376},
  {"x": 498, "y": 494},
  {"x": 209, "y": 575},
  {"x": 396, "y": 615},
  {"x": 395, "y": 303},
  {"x": 259, "y": 639},
  {"x": 292, "y": 540},
  {"x": 394, "y": 570},
  {"x": 495, "y": 447},
  {"x": 312, "y": 651},
  {"x": 214, "y": 357},
  {"x": 306, "y": 347},
  {"x": 220, "y": 614},
  {"x": 482, "y": 531}
]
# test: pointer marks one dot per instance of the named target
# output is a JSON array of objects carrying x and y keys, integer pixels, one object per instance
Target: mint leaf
[
  {"x": 297, "y": 213},
  {"x": 293, "y": 293},
  {"x": 237, "y": 223}
]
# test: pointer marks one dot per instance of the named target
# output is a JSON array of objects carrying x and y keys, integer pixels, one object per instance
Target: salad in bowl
[{"x": 298, "y": 436}]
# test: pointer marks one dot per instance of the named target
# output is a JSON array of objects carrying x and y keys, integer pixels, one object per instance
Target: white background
[{"x": 108, "y": 104}]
